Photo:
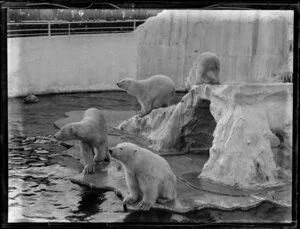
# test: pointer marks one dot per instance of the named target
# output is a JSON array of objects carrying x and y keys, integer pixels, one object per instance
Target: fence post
[
  {"x": 134, "y": 24},
  {"x": 69, "y": 28},
  {"x": 49, "y": 28}
]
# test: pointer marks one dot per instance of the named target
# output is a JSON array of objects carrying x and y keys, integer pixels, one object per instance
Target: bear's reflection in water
[{"x": 90, "y": 204}]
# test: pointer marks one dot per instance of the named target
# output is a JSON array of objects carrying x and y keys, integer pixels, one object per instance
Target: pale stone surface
[
  {"x": 181, "y": 128},
  {"x": 185, "y": 127},
  {"x": 246, "y": 116},
  {"x": 244, "y": 149}
]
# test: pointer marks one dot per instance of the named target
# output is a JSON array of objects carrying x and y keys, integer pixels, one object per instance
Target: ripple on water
[
  {"x": 45, "y": 173},
  {"x": 37, "y": 183},
  {"x": 39, "y": 195}
]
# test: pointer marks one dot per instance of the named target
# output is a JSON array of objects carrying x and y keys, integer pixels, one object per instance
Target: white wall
[
  {"x": 69, "y": 63},
  {"x": 251, "y": 44}
]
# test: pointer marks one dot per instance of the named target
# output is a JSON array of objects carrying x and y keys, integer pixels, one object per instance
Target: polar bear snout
[
  {"x": 122, "y": 84},
  {"x": 57, "y": 135},
  {"x": 119, "y": 84}
]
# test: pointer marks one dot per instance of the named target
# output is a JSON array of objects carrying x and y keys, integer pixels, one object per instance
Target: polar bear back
[
  {"x": 92, "y": 128},
  {"x": 93, "y": 125},
  {"x": 142, "y": 161},
  {"x": 158, "y": 86},
  {"x": 152, "y": 162},
  {"x": 94, "y": 115},
  {"x": 205, "y": 69}
]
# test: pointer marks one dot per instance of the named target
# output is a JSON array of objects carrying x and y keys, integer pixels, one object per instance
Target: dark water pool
[{"x": 39, "y": 188}]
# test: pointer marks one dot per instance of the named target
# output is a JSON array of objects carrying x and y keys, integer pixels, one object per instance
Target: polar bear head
[
  {"x": 124, "y": 152},
  {"x": 128, "y": 84},
  {"x": 69, "y": 132}
]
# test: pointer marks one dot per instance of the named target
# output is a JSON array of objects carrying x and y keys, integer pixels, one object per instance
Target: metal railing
[{"x": 53, "y": 28}]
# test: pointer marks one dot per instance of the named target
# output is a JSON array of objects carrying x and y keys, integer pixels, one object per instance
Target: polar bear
[
  {"x": 206, "y": 69},
  {"x": 148, "y": 175},
  {"x": 92, "y": 133},
  {"x": 153, "y": 92}
]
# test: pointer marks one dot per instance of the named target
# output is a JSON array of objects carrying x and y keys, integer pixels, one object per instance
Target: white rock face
[
  {"x": 247, "y": 116},
  {"x": 184, "y": 127}
]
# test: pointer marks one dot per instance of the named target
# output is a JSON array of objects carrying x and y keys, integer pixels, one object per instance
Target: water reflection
[
  {"x": 161, "y": 216},
  {"x": 89, "y": 205},
  {"x": 152, "y": 216}
]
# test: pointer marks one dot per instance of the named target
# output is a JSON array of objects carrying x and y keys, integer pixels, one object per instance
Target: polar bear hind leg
[{"x": 87, "y": 153}]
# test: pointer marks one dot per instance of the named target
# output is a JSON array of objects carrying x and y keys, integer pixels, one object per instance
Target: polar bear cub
[
  {"x": 151, "y": 93},
  {"x": 92, "y": 133},
  {"x": 148, "y": 175}
]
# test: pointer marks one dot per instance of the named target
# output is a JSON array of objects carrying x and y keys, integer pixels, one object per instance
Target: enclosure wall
[
  {"x": 252, "y": 45},
  {"x": 69, "y": 63}
]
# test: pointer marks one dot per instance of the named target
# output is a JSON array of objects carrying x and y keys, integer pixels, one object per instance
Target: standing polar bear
[
  {"x": 92, "y": 133},
  {"x": 153, "y": 92},
  {"x": 148, "y": 175},
  {"x": 206, "y": 69}
]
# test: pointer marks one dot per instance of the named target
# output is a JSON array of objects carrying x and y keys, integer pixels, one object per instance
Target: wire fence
[{"x": 53, "y": 28}]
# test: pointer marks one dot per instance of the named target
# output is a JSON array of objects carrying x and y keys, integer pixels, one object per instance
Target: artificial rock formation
[
  {"x": 181, "y": 128},
  {"x": 247, "y": 117}
]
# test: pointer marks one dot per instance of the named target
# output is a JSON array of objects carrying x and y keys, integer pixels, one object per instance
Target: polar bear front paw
[
  {"x": 144, "y": 205},
  {"x": 130, "y": 200},
  {"x": 88, "y": 169}
]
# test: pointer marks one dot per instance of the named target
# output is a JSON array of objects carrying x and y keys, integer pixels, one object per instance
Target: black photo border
[{"x": 180, "y": 4}]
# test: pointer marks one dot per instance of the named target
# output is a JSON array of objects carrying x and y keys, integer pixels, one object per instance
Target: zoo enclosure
[{"x": 52, "y": 28}]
